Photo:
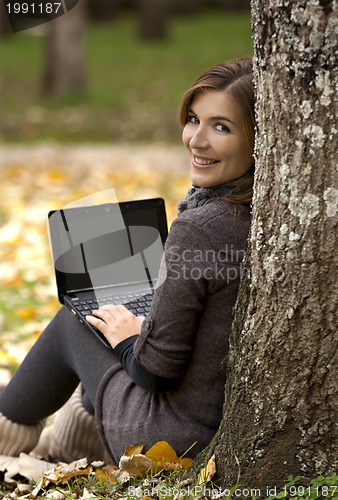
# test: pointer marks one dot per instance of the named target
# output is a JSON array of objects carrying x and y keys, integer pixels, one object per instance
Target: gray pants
[{"x": 64, "y": 354}]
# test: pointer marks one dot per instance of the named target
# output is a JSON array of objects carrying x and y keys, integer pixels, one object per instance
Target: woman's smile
[
  {"x": 215, "y": 140},
  {"x": 201, "y": 162}
]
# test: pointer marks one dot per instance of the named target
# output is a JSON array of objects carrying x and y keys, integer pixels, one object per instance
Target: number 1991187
[{"x": 32, "y": 8}]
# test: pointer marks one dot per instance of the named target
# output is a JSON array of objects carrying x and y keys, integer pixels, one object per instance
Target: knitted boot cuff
[
  {"x": 16, "y": 438},
  {"x": 75, "y": 431}
]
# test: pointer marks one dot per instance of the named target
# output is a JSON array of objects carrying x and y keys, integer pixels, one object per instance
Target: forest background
[{"x": 118, "y": 130}]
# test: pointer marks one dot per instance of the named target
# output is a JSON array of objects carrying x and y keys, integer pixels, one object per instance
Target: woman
[{"x": 163, "y": 378}]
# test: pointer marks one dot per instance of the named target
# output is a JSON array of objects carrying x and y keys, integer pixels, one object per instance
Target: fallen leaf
[
  {"x": 120, "y": 476},
  {"x": 27, "y": 466},
  {"x": 137, "y": 465},
  {"x": 32, "y": 468},
  {"x": 23, "y": 489},
  {"x": 135, "y": 449},
  {"x": 64, "y": 472},
  {"x": 87, "y": 495},
  {"x": 56, "y": 495},
  {"x": 105, "y": 475},
  {"x": 165, "y": 457},
  {"x": 207, "y": 472},
  {"x": 27, "y": 312}
]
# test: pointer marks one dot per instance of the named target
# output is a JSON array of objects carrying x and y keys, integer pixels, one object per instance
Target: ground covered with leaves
[
  {"x": 34, "y": 180},
  {"x": 38, "y": 178},
  {"x": 155, "y": 474}
]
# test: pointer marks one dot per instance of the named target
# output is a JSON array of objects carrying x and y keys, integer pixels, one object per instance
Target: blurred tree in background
[
  {"x": 5, "y": 27},
  {"x": 154, "y": 18},
  {"x": 65, "y": 56}
]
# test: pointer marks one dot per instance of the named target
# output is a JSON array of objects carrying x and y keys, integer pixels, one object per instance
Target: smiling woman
[
  {"x": 154, "y": 384},
  {"x": 215, "y": 140},
  {"x": 224, "y": 97}
]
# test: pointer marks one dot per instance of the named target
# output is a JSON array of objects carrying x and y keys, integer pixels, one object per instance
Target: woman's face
[{"x": 216, "y": 144}]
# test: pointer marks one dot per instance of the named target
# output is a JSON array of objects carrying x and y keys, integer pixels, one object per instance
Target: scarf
[{"x": 198, "y": 196}]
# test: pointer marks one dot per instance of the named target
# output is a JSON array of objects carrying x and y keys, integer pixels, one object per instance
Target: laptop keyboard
[{"x": 138, "y": 303}]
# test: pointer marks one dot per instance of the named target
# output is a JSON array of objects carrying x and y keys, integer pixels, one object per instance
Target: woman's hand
[{"x": 116, "y": 323}]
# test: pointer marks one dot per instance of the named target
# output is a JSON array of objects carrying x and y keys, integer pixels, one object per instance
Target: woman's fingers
[
  {"x": 115, "y": 311},
  {"x": 115, "y": 322},
  {"x": 99, "y": 323}
]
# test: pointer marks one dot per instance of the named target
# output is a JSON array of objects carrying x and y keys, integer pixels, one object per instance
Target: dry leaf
[
  {"x": 208, "y": 472},
  {"x": 135, "y": 449},
  {"x": 23, "y": 489},
  {"x": 33, "y": 468},
  {"x": 27, "y": 312},
  {"x": 56, "y": 495},
  {"x": 137, "y": 465},
  {"x": 87, "y": 495},
  {"x": 165, "y": 457},
  {"x": 105, "y": 475},
  {"x": 64, "y": 472},
  {"x": 9, "y": 465},
  {"x": 120, "y": 476}
]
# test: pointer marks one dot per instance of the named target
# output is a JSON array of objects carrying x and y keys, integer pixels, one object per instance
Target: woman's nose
[{"x": 199, "y": 140}]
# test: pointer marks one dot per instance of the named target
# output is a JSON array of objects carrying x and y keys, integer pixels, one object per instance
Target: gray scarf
[{"x": 198, "y": 196}]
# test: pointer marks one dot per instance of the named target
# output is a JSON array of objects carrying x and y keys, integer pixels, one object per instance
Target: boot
[
  {"x": 72, "y": 435},
  {"x": 16, "y": 438}
]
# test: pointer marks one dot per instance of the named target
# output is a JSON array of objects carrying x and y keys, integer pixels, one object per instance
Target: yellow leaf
[
  {"x": 56, "y": 175},
  {"x": 208, "y": 472},
  {"x": 105, "y": 475},
  {"x": 185, "y": 462},
  {"x": 6, "y": 357},
  {"x": 165, "y": 457},
  {"x": 135, "y": 449},
  {"x": 27, "y": 312},
  {"x": 162, "y": 452}
]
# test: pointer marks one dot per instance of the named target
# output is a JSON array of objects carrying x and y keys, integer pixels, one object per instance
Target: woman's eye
[
  {"x": 220, "y": 127},
  {"x": 192, "y": 119}
]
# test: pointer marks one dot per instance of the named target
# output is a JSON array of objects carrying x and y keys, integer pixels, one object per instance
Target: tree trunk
[
  {"x": 233, "y": 4},
  {"x": 5, "y": 27},
  {"x": 189, "y": 7},
  {"x": 103, "y": 10},
  {"x": 65, "y": 65},
  {"x": 154, "y": 16},
  {"x": 281, "y": 393}
]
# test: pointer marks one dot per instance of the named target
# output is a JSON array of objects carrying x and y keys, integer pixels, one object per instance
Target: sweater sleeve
[
  {"x": 138, "y": 373},
  {"x": 166, "y": 341}
]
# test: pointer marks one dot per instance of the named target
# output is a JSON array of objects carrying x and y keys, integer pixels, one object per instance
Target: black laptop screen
[{"x": 107, "y": 245}]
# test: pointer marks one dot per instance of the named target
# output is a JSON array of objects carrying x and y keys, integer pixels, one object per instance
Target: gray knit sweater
[{"x": 184, "y": 335}]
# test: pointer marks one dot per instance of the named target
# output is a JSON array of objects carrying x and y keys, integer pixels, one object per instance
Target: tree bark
[
  {"x": 233, "y": 4},
  {"x": 281, "y": 393},
  {"x": 5, "y": 27},
  {"x": 65, "y": 62},
  {"x": 103, "y": 10},
  {"x": 154, "y": 16},
  {"x": 189, "y": 7}
]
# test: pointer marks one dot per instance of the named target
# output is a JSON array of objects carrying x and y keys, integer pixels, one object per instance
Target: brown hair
[{"x": 235, "y": 78}]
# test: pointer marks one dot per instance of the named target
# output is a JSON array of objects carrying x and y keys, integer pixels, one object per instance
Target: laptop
[{"x": 108, "y": 254}]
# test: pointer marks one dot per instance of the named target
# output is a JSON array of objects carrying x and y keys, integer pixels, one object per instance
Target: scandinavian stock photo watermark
[
  {"x": 194, "y": 264},
  {"x": 239, "y": 491}
]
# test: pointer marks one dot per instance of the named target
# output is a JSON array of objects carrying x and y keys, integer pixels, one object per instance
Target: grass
[
  {"x": 134, "y": 88},
  {"x": 170, "y": 486}
]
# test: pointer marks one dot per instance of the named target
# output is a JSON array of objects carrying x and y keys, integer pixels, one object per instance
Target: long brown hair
[{"x": 235, "y": 78}]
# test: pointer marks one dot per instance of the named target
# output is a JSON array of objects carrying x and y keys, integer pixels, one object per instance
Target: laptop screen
[{"x": 107, "y": 245}]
